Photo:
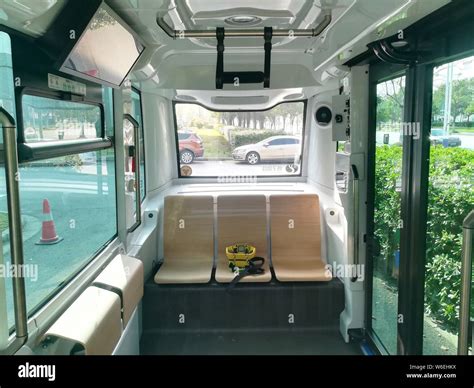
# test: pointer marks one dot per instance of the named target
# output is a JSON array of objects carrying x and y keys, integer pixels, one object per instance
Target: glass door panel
[
  {"x": 387, "y": 209},
  {"x": 450, "y": 199}
]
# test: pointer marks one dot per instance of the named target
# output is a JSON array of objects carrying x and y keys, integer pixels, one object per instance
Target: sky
[{"x": 462, "y": 69}]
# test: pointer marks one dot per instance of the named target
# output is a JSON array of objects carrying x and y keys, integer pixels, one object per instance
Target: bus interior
[{"x": 239, "y": 177}]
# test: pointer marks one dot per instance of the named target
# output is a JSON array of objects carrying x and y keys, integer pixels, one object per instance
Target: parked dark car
[{"x": 440, "y": 137}]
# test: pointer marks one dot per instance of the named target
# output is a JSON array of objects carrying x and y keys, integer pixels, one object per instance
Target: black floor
[
  {"x": 270, "y": 318},
  {"x": 280, "y": 342}
]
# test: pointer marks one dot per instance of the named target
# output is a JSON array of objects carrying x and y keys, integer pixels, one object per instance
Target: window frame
[
  {"x": 138, "y": 204},
  {"x": 142, "y": 134},
  {"x": 28, "y": 152},
  {"x": 266, "y": 177}
]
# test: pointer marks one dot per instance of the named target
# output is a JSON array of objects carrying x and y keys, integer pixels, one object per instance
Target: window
[
  {"x": 7, "y": 102},
  {"x": 137, "y": 115},
  {"x": 387, "y": 209},
  {"x": 240, "y": 143},
  {"x": 58, "y": 194},
  {"x": 7, "y": 94},
  {"x": 46, "y": 119},
  {"x": 107, "y": 97},
  {"x": 67, "y": 190},
  {"x": 450, "y": 199},
  {"x": 284, "y": 141}
]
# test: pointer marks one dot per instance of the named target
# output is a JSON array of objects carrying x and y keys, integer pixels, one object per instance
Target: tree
[
  {"x": 469, "y": 112},
  {"x": 391, "y": 100},
  {"x": 462, "y": 96}
]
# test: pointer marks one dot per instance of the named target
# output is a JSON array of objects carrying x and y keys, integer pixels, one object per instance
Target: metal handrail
[
  {"x": 138, "y": 199},
  {"x": 355, "y": 193},
  {"x": 244, "y": 33},
  {"x": 14, "y": 217},
  {"x": 466, "y": 280}
]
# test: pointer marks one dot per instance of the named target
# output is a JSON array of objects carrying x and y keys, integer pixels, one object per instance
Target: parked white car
[{"x": 275, "y": 148}]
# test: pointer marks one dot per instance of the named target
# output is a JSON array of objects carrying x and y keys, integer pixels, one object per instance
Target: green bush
[
  {"x": 450, "y": 199},
  {"x": 387, "y": 206},
  {"x": 199, "y": 123},
  {"x": 239, "y": 138}
]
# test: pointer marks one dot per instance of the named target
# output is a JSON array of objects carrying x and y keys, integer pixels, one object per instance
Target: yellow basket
[{"x": 240, "y": 254}]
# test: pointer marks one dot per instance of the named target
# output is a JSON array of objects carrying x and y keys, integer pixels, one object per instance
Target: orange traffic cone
[{"x": 48, "y": 230}]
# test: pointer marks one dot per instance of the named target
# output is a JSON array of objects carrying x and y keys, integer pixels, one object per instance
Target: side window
[
  {"x": 288, "y": 141},
  {"x": 45, "y": 120},
  {"x": 58, "y": 195},
  {"x": 107, "y": 97},
  {"x": 275, "y": 142},
  {"x": 7, "y": 95},
  {"x": 7, "y": 102}
]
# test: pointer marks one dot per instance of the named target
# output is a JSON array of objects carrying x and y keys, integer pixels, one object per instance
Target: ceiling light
[
  {"x": 243, "y": 20},
  {"x": 399, "y": 43}
]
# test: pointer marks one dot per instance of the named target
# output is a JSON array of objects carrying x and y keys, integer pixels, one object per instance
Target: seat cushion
[
  {"x": 300, "y": 269},
  {"x": 185, "y": 271}
]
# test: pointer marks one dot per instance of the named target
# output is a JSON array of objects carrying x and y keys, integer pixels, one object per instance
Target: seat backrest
[
  {"x": 188, "y": 230},
  {"x": 295, "y": 224},
  {"x": 242, "y": 219}
]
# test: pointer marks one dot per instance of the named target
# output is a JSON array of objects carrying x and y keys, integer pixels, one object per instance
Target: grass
[
  {"x": 463, "y": 130},
  {"x": 215, "y": 144},
  {"x": 3, "y": 222}
]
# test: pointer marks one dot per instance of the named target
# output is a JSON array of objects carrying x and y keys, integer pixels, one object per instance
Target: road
[
  {"x": 467, "y": 140},
  {"x": 229, "y": 169}
]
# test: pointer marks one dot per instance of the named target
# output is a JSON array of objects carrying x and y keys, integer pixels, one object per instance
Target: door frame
[{"x": 429, "y": 33}]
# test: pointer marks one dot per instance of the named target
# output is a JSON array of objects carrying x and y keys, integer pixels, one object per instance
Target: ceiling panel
[
  {"x": 32, "y": 17},
  {"x": 280, "y": 14}
]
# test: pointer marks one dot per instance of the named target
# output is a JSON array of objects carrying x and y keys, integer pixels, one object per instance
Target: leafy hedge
[
  {"x": 450, "y": 199},
  {"x": 243, "y": 137},
  {"x": 387, "y": 207}
]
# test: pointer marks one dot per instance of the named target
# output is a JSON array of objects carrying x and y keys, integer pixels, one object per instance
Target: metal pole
[
  {"x": 244, "y": 33},
  {"x": 466, "y": 280},
  {"x": 14, "y": 218}
]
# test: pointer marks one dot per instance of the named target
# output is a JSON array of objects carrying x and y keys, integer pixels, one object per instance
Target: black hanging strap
[{"x": 243, "y": 77}]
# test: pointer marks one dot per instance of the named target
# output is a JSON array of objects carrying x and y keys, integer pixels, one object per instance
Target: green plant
[
  {"x": 199, "y": 123},
  {"x": 215, "y": 144},
  {"x": 245, "y": 137},
  {"x": 387, "y": 207},
  {"x": 450, "y": 199}
]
